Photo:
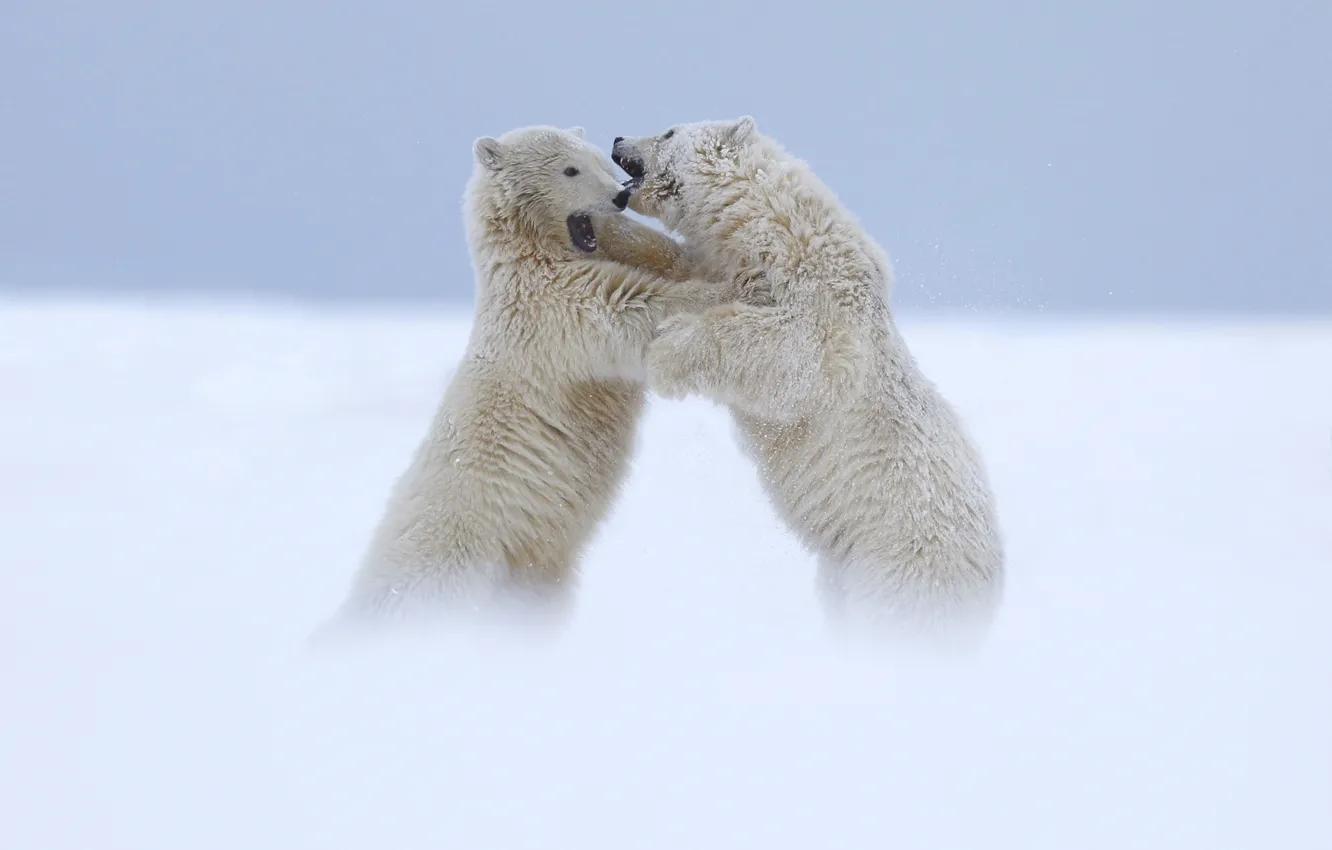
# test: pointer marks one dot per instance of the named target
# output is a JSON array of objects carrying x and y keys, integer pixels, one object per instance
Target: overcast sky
[{"x": 1096, "y": 155}]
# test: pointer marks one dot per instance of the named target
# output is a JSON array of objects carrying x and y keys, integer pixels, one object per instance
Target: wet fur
[
  {"x": 530, "y": 445},
  {"x": 859, "y": 452}
]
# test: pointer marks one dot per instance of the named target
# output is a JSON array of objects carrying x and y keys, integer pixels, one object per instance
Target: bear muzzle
[{"x": 632, "y": 165}]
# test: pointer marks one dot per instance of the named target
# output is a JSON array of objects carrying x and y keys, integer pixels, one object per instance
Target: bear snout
[
  {"x": 622, "y": 199},
  {"x": 632, "y": 165}
]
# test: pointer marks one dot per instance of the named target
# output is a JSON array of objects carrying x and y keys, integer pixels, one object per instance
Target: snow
[{"x": 185, "y": 491}]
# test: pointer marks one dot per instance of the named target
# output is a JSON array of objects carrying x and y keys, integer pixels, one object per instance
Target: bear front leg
[
  {"x": 617, "y": 311},
  {"x": 689, "y": 296},
  {"x": 760, "y": 359},
  {"x": 620, "y": 239}
]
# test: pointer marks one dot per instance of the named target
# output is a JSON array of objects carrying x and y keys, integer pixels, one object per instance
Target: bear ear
[
  {"x": 742, "y": 130},
  {"x": 577, "y": 131},
  {"x": 488, "y": 152}
]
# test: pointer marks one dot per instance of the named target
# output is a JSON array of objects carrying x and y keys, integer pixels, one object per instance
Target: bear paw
[{"x": 673, "y": 357}]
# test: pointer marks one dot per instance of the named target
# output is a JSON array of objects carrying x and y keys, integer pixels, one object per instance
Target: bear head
[
  {"x": 662, "y": 168},
  {"x": 545, "y": 184}
]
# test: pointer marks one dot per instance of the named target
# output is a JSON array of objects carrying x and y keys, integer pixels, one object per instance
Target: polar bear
[
  {"x": 531, "y": 442},
  {"x": 857, "y": 450}
]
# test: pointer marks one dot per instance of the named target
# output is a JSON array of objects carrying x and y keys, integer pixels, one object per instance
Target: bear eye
[
  {"x": 571, "y": 172},
  {"x": 668, "y": 134}
]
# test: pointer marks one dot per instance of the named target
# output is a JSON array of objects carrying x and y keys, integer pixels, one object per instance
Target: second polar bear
[
  {"x": 858, "y": 451},
  {"x": 532, "y": 439}
]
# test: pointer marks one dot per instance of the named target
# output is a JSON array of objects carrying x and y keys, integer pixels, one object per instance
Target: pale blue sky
[{"x": 1096, "y": 156}]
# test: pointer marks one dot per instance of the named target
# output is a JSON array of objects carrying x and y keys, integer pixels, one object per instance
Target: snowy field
[{"x": 185, "y": 491}]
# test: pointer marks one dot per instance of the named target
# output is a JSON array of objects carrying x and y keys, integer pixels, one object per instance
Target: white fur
[
  {"x": 859, "y": 452},
  {"x": 530, "y": 444}
]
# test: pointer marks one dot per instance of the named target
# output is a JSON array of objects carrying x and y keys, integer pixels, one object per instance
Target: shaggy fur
[
  {"x": 532, "y": 439},
  {"x": 859, "y": 453}
]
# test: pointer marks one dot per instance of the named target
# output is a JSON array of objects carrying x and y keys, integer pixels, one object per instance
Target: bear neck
[
  {"x": 501, "y": 234},
  {"x": 774, "y": 215}
]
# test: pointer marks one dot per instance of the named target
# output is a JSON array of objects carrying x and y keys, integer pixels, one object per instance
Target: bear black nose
[
  {"x": 621, "y": 200},
  {"x": 619, "y": 139}
]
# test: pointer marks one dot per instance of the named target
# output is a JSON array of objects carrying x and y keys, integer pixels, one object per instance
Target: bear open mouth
[
  {"x": 581, "y": 234},
  {"x": 631, "y": 165}
]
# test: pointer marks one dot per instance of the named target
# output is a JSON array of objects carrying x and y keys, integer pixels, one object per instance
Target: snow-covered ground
[{"x": 184, "y": 493}]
